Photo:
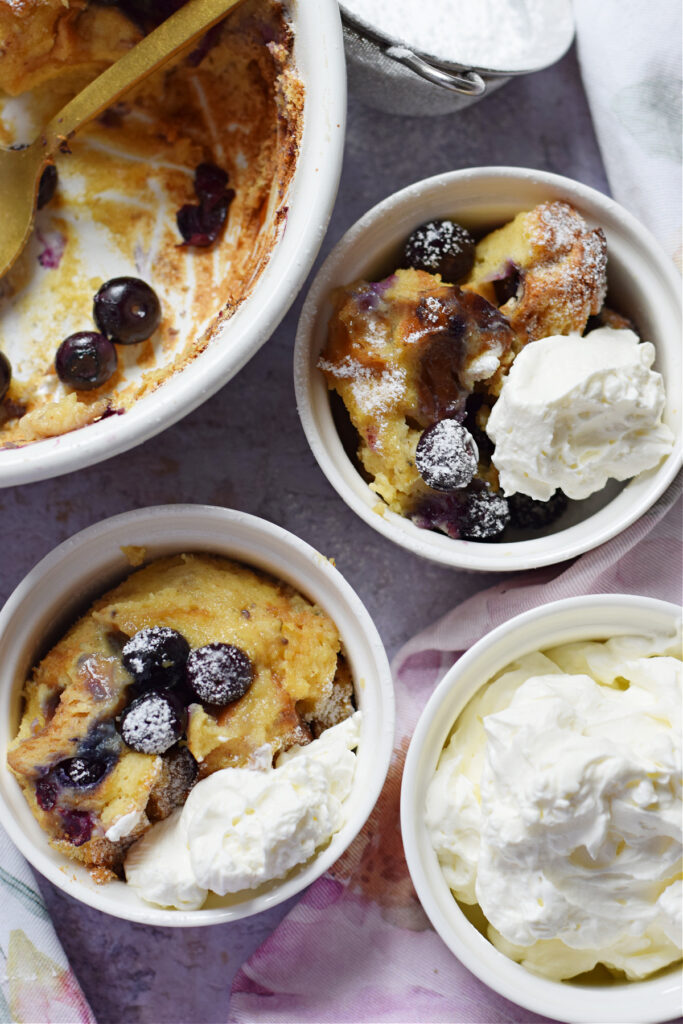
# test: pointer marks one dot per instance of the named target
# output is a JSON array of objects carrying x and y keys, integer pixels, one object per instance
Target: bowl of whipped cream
[
  {"x": 575, "y": 421},
  {"x": 263, "y": 827},
  {"x": 541, "y": 809}
]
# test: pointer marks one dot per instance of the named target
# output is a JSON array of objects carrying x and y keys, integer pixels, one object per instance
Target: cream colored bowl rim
[{"x": 597, "y": 616}]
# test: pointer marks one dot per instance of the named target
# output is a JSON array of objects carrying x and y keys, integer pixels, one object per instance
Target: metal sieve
[{"x": 397, "y": 79}]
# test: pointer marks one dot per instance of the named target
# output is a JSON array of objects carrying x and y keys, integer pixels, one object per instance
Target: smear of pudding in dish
[{"x": 234, "y": 101}]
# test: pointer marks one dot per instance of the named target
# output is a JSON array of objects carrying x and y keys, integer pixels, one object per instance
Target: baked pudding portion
[
  {"x": 128, "y": 202},
  {"x": 88, "y": 754},
  {"x": 420, "y": 358}
]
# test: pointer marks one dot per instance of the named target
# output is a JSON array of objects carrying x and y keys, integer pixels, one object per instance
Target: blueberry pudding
[
  {"x": 191, "y": 665},
  {"x": 487, "y": 381},
  {"x": 157, "y": 220}
]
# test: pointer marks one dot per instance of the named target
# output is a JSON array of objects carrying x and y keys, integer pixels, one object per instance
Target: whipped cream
[
  {"x": 556, "y": 806},
  {"x": 576, "y": 411},
  {"x": 242, "y": 827}
]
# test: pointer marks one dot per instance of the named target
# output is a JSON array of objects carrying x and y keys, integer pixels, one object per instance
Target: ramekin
[
  {"x": 592, "y": 617},
  {"x": 62, "y": 585},
  {"x": 643, "y": 284},
  {"x": 319, "y": 59}
]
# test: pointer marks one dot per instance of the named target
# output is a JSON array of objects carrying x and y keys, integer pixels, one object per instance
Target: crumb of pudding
[
  {"x": 101, "y": 875},
  {"x": 134, "y": 553},
  {"x": 234, "y": 100},
  {"x": 301, "y": 686}
]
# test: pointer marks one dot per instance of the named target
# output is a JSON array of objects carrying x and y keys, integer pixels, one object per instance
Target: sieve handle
[{"x": 467, "y": 82}]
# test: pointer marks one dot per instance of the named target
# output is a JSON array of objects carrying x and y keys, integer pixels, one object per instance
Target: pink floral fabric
[
  {"x": 37, "y": 986},
  {"x": 358, "y": 946}
]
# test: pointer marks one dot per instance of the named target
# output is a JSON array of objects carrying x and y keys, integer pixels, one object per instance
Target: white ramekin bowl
[
  {"x": 643, "y": 283},
  {"x": 578, "y": 618},
  {"x": 61, "y": 586},
  {"x": 319, "y": 59}
]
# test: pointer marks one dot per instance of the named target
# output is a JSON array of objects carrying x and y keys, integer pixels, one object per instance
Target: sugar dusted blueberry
[
  {"x": 219, "y": 673},
  {"x": 153, "y": 722},
  {"x": 80, "y": 772},
  {"x": 126, "y": 310},
  {"x": 484, "y": 516},
  {"x": 85, "y": 360},
  {"x": 156, "y": 656},
  {"x": 446, "y": 456},
  {"x": 440, "y": 247}
]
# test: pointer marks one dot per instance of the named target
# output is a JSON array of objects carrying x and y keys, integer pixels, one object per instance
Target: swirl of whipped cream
[{"x": 557, "y": 808}]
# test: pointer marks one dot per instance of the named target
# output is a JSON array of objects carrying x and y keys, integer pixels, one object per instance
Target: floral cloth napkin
[
  {"x": 37, "y": 986},
  {"x": 358, "y": 946}
]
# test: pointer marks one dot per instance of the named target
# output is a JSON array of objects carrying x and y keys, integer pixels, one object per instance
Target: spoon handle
[{"x": 147, "y": 56}]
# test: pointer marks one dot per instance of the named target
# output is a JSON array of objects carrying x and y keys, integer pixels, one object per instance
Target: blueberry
[
  {"x": 81, "y": 772},
  {"x": 47, "y": 186},
  {"x": 156, "y": 656},
  {"x": 219, "y": 673},
  {"x": 509, "y": 285},
  {"x": 85, "y": 360},
  {"x": 77, "y": 826},
  {"x": 439, "y": 512},
  {"x": 440, "y": 247},
  {"x": 5, "y": 375},
  {"x": 153, "y": 722},
  {"x": 484, "y": 516},
  {"x": 210, "y": 181},
  {"x": 200, "y": 225},
  {"x": 46, "y": 793},
  {"x": 529, "y": 514},
  {"x": 127, "y": 310},
  {"x": 445, "y": 456}
]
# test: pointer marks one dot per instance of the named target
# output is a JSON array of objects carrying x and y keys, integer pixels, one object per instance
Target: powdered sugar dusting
[
  {"x": 572, "y": 258},
  {"x": 374, "y": 391},
  {"x": 446, "y": 456},
  {"x": 504, "y": 35}
]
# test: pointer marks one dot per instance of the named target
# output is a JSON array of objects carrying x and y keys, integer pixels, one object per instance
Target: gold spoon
[{"x": 21, "y": 169}]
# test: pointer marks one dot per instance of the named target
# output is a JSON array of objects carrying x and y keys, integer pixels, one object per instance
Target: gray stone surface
[{"x": 245, "y": 449}]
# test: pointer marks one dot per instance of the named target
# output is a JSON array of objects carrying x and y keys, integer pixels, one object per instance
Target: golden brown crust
[{"x": 561, "y": 265}]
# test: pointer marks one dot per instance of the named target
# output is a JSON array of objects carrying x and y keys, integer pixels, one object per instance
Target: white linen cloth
[{"x": 630, "y": 57}]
